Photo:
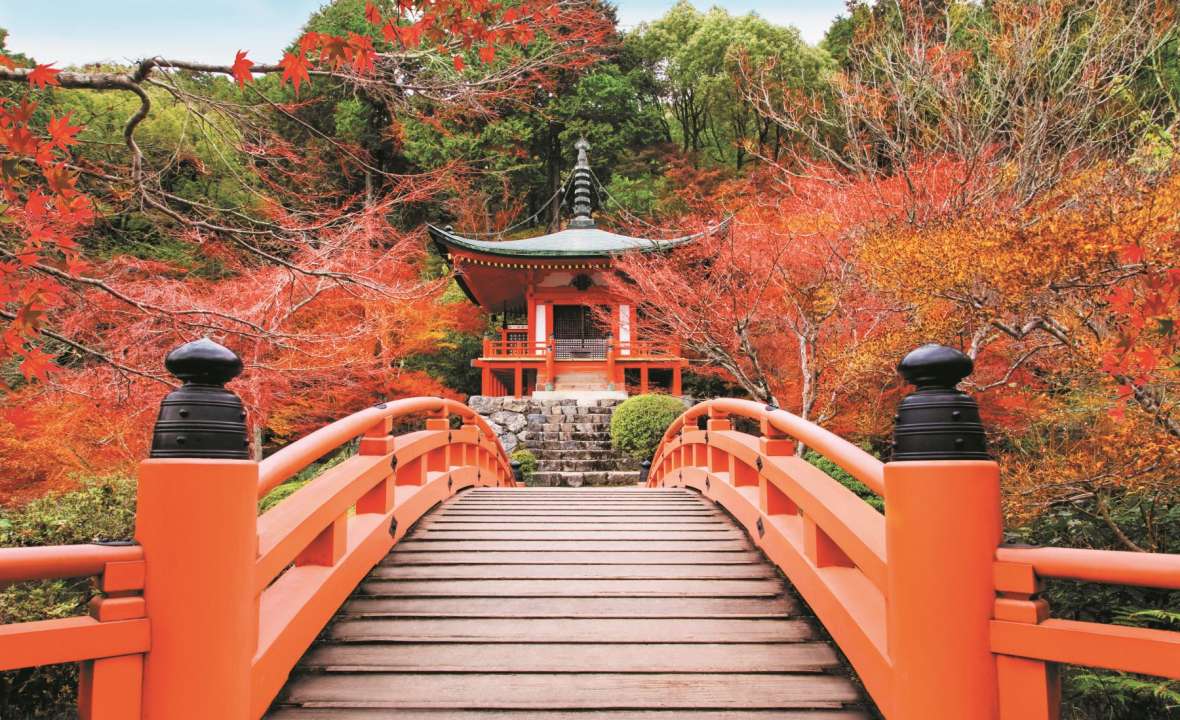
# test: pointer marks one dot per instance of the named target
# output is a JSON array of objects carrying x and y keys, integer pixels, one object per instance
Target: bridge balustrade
[
  {"x": 938, "y": 618},
  {"x": 206, "y": 616},
  {"x": 208, "y": 613}
]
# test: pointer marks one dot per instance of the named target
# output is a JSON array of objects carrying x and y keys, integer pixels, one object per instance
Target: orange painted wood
[
  {"x": 328, "y": 547},
  {"x": 1158, "y": 570},
  {"x": 941, "y": 588},
  {"x": 197, "y": 523},
  {"x": 287, "y": 529},
  {"x": 108, "y": 609},
  {"x": 121, "y": 577},
  {"x": 1114, "y": 647},
  {"x": 48, "y": 642},
  {"x": 110, "y": 688},
  {"x": 61, "y": 561},
  {"x": 1029, "y": 689}
]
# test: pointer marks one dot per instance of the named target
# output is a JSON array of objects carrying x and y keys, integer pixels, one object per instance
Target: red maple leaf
[
  {"x": 295, "y": 70},
  {"x": 61, "y": 133},
  {"x": 308, "y": 42},
  {"x": 335, "y": 50},
  {"x": 7, "y": 62},
  {"x": 241, "y": 68},
  {"x": 487, "y": 54},
  {"x": 1133, "y": 253},
  {"x": 37, "y": 364},
  {"x": 43, "y": 75},
  {"x": 458, "y": 61},
  {"x": 372, "y": 14}
]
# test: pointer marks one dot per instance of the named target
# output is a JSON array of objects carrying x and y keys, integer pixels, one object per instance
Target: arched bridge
[{"x": 418, "y": 579}]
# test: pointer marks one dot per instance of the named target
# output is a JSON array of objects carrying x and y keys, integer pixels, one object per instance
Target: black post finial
[
  {"x": 644, "y": 471},
  {"x": 937, "y": 421},
  {"x": 201, "y": 419},
  {"x": 517, "y": 471}
]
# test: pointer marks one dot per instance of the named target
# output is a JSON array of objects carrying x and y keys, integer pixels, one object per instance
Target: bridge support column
[
  {"x": 942, "y": 527},
  {"x": 197, "y": 522}
]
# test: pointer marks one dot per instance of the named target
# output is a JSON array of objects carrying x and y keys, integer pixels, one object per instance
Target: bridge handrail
[
  {"x": 1109, "y": 567},
  {"x": 858, "y": 463},
  {"x": 53, "y": 562},
  {"x": 110, "y": 640},
  {"x": 829, "y": 542},
  {"x": 283, "y": 464},
  {"x": 926, "y": 586}
]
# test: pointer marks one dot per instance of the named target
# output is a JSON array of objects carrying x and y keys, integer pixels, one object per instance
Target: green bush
[
  {"x": 102, "y": 509},
  {"x": 638, "y": 424},
  {"x": 528, "y": 463},
  {"x": 841, "y": 475},
  {"x": 301, "y": 478}
]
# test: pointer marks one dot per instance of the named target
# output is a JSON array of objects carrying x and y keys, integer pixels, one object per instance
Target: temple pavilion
[{"x": 551, "y": 295}]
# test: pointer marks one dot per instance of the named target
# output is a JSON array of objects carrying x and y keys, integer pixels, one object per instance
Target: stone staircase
[{"x": 571, "y": 439}]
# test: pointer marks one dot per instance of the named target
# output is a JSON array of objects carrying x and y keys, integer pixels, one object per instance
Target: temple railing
[
  {"x": 576, "y": 349},
  {"x": 938, "y": 618},
  {"x": 206, "y": 616}
]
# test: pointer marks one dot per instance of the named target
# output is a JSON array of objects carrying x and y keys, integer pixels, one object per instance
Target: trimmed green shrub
[
  {"x": 638, "y": 424},
  {"x": 528, "y": 463},
  {"x": 102, "y": 509},
  {"x": 840, "y": 475}
]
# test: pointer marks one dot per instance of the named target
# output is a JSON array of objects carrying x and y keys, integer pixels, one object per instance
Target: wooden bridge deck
[{"x": 590, "y": 604}]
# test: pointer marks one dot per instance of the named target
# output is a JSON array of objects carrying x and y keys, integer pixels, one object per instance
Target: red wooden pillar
[
  {"x": 486, "y": 381},
  {"x": 677, "y": 387},
  {"x": 610, "y": 364},
  {"x": 643, "y": 379},
  {"x": 517, "y": 381}
]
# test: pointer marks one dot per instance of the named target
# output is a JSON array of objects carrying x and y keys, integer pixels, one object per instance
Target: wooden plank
[
  {"x": 529, "y": 515},
  {"x": 630, "y": 557},
  {"x": 571, "y": 691},
  {"x": 724, "y": 545},
  {"x": 572, "y": 588},
  {"x": 292, "y": 713},
  {"x": 589, "y": 534},
  {"x": 593, "y": 525},
  {"x": 608, "y": 571},
  {"x": 693, "y": 506},
  {"x": 571, "y": 630},
  {"x": 511, "y": 607},
  {"x": 569, "y": 657}
]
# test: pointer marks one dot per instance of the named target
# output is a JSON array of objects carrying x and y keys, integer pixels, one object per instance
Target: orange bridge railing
[
  {"x": 938, "y": 618},
  {"x": 208, "y": 613}
]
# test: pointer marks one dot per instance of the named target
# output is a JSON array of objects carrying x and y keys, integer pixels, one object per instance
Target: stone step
[
  {"x": 567, "y": 465},
  {"x": 559, "y": 436},
  {"x": 581, "y": 479},
  {"x": 572, "y": 427},
  {"x": 564, "y": 445}
]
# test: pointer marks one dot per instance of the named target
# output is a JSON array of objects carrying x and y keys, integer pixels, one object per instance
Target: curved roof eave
[{"x": 569, "y": 243}]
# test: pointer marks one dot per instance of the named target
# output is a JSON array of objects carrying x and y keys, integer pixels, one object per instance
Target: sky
[{"x": 81, "y": 31}]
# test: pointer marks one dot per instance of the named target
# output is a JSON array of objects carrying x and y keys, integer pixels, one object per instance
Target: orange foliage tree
[{"x": 318, "y": 283}]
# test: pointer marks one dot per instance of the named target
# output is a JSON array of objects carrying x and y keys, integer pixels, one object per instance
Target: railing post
[
  {"x": 197, "y": 522},
  {"x": 943, "y": 525},
  {"x": 610, "y": 364},
  {"x": 551, "y": 363}
]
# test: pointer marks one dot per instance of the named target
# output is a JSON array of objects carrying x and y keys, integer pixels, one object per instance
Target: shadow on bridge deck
[{"x": 591, "y": 603}]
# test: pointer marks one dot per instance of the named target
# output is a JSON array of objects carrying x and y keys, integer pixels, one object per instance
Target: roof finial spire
[{"x": 582, "y": 182}]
